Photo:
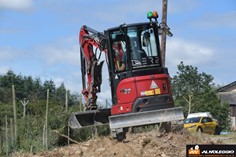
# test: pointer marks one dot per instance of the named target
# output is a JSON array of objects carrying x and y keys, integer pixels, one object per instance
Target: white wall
[{"x": 233, "y": 123}]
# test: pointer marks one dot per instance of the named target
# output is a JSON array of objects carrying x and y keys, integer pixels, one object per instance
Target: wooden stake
[
  {"x": 46, "y": 122},
  {"x": 68, "y": 133},
  {"x": 12, "y": 133},
  {"x": 0, "y": 141},
  {"x": 163, "y": 34},
  {"x": 67, "y": 137},
  {"x": 44, "y": 135},
  {"x": 6, "y": 136},
  {"x": 24, "y": 103},
  {"x": 66, "y": 102},
  {"x": 14, "y": 112},
  {"x": 80, "y": 102}
]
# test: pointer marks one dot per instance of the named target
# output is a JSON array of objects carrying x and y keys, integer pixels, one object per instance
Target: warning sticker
[
  {"x": 153, "y": 85},
  {"x": 146, "y": 93},
  {"x": 157, "y": 91},
  {"x": 150, "y": 92}
]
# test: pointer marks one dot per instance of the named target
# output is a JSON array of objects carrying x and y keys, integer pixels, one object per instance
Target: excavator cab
[
  {"x": 143, "y": 80},
  {"x": 140, "y": 84},
  {"x": 141, "y": 92}
]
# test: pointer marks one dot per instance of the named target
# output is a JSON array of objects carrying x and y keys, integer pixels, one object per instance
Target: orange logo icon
[{"x": 195, "y": 151}]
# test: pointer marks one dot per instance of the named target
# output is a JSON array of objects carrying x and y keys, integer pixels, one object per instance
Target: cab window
[
  {"x": 143, "y": 47},
  {"x": 119, "y": 52}
]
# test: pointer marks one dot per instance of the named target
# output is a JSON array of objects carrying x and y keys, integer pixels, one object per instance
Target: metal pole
[{"x": 163, "y": 35}]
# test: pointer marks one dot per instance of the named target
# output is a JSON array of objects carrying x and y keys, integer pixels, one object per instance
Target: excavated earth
[{"x": 148, "y": 144}]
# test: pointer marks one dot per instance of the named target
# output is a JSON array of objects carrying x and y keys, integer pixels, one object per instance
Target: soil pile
[{"x": 149, "y": 144}]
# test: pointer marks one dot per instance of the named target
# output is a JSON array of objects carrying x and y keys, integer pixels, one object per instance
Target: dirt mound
[{"x": 148, "y": 144}]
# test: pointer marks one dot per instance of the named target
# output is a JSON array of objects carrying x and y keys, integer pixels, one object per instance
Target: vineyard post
[
  {"x": 80, "y": 103},
  {"x": 0, "y": 141},
  {"x": 46, "y": 122},
  {"x": 14, "y": 112},
  {"x": 66, "y": 102},
  {"x": 6, "y": 136},
  {"x": 12, "y": 134},
  {"x": 24, "y": 103}
]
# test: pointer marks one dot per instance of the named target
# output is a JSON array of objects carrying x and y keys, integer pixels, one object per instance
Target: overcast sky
[{"x": 39, "y": 38}]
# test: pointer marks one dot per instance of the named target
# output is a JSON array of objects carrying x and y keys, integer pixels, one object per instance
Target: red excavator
[{"x": 140, "y": 85}]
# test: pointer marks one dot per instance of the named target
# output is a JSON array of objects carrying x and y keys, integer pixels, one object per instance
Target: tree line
[
  {"x": 30, "y": 126},
  {"x": 196, "y": 92},
  {"x": 32, "y": 89}
]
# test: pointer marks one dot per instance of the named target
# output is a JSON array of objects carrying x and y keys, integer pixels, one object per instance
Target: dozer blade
[
  {"x": 145, "y": 118},
  {"x": 89, "y": 118}
]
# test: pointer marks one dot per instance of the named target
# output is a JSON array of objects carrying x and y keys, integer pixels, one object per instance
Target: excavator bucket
[
  {"x": 89, "y": 118},
  {"x": 119, "y": 122}
]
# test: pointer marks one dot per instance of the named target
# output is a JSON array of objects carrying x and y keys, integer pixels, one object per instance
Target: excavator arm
[{"x": 91, "y": 43}]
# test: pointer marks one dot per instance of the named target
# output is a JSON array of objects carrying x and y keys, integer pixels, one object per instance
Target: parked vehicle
[
  {"x": 202, "y": 114},
  {"x": 202, "y": 124}
]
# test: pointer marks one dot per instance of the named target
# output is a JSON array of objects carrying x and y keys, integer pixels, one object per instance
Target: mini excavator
[{"x": 140, "y": 84}]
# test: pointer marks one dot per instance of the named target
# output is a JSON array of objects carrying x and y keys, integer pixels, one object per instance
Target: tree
[
  {"x": 51, "y": 86},
  {"x": 60, "y": 94},
  {"x": 196, "y": 92},
  {"x": 37, "y": 90},
  {"x": 188, "y": 84}
]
